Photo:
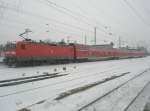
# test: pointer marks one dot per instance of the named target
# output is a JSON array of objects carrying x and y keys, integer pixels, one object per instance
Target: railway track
[
  {"x": 22, "y": 80},
  {"x": 63, "y": 84},
  {"x": 85, "y": 87},
  {"x": 56, "y": 83},
  {"x": 31, "y": 71},
  {"x": 111, "y": 91},
  {"x": 79, "y": 89},
  {"x": 96, "y": 100},
  {"x": 126, "y": 109},
  {"x": 115, "y": 76}
]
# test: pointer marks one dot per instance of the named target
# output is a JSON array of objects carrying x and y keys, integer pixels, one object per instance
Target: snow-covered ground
[
  {"x": 122, "y": 97},
  {"x": 40, "y": 95},
  {"x": 140, "y": 103}
]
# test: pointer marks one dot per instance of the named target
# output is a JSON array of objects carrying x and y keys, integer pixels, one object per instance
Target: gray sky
[{"x": 129, "y": 19}]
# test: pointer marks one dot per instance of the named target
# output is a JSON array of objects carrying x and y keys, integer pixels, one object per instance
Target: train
[{"x": 36, "y": 53}]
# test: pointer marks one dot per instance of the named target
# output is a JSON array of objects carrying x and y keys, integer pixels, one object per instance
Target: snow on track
[
  {"x": 121, "y": 98},
  {"x": 40, "y": 95},
  {"x": 141, "y": 101}
]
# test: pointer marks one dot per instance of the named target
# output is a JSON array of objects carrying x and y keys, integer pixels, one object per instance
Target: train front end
[{"x": 10, "y": 54}]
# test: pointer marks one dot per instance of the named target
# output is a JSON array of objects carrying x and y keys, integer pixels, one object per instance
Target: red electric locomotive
[{"x": 26, "y": 52}]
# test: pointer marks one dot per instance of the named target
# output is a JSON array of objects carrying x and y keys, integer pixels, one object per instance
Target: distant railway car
[
  {"x": 81, "y": 52},
  {"x": 101, "y": 52}
]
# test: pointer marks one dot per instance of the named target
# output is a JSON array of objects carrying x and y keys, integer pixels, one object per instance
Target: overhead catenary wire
[
  {"x": 113, "y": 34},
  {"x": 136, "y": 13},
  {"x": 145, "y": 8},
  {"x": 57, "y": 31},
  {"x": 60, "y": 82},
  {"x": 53, "y": 26},
  {"x": 100, "y": 27},
  {"x": 104, "y": 26},
  {"x": 69, "y": 12},
  {"x": 61, "y": 10},
  {"x": 58, "y": 22},
  {"x": 66, "y": 11},
  {"x": 35, "y": 15},
  {"x": 53, "y": 29},
  {"x": 46, "y": 18},
  {"x": 74, "y": 14},
  {"x": 1, "y": 10}
]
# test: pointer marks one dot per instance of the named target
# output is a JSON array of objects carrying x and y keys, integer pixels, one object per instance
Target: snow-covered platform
[{"x": 71, "y": 87}]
